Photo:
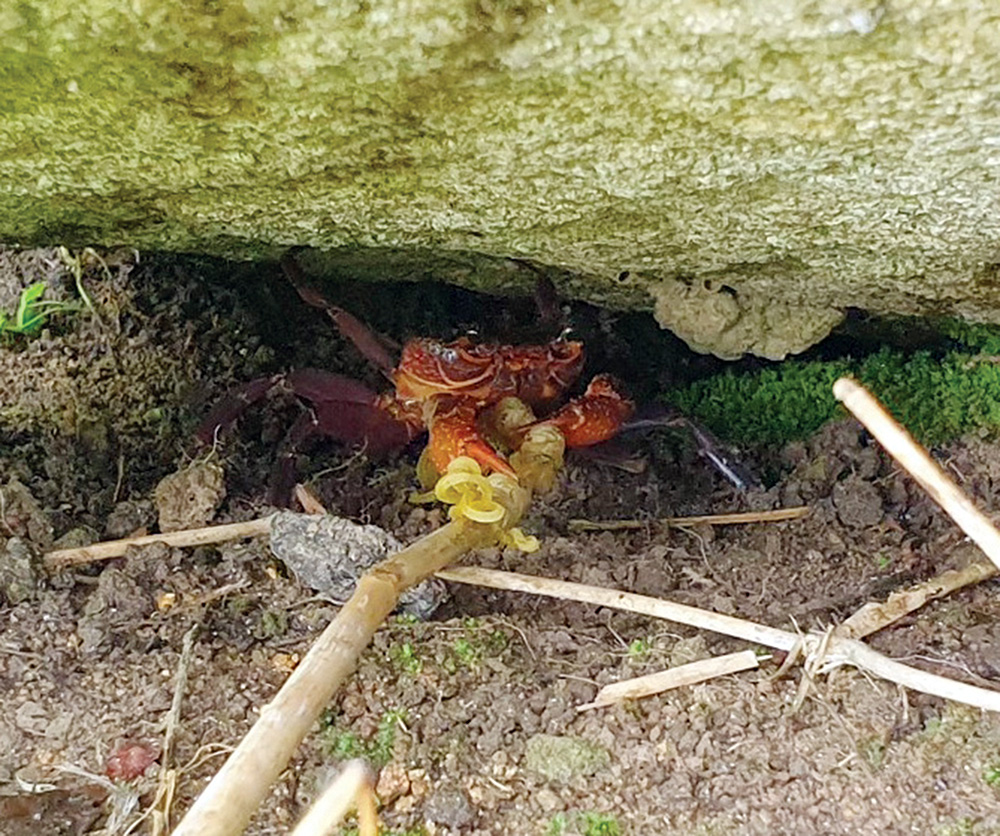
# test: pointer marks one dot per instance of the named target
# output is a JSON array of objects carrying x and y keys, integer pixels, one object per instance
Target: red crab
[{"x": 443, "y": 388}]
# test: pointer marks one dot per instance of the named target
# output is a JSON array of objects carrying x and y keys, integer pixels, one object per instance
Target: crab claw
[
  {"x": 453, "y": 433},
  {"x": 349, "y": 411},
  {"x": 595, "y": 416}
]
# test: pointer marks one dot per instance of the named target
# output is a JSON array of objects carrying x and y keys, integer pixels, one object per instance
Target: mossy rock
[{"x": 746, "y": 172}]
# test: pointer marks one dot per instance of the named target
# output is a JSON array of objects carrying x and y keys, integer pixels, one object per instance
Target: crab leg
[
  {"x": 363, "y": 338},
  {"x": 709, "y": 447},
  {"x": 320, "y": 386},
  {"x": 453, "y": 433},
  {"x": 283, "y": 475},
  {"x": 225, "y": 413},
  {"x": 340, "y": 408},
  {"x": 596, "y": 416}
]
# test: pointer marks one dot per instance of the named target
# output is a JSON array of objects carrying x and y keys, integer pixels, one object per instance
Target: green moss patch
[{"x": 938, "y": 395}]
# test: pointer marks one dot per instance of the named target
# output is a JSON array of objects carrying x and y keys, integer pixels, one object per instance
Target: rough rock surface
[{"x": 716, "y": 162}]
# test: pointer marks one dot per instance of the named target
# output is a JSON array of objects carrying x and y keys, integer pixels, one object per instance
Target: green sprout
[
  {"x": 467, "y": 653},
  {"x": 75, "y": 265},
  {"x": 381, "y": 747},
  {"x": 469, "y": 650},
  {"x": 557, "y": 826},
  {"x": 32, "y": 311},
  {"x": 600, "y": 824},
  {"x": 404, "y": 657},
  {"x": 377, "y": 750},
  {"x": 639, "y": 647}
]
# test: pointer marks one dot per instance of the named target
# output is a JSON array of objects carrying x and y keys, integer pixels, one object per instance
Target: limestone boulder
[{"x": 745, "y": 170}]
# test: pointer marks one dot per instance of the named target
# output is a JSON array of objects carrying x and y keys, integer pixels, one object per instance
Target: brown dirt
[{"x": 456, "y": 711}]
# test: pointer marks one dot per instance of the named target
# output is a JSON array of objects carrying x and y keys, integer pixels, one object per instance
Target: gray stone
[
  {"x": 20, "y": 569},
  {"x": 329, "y": 554},
  {"x": 448, "y": 805}
]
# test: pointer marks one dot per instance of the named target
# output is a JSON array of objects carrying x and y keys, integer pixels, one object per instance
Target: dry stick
[
  {"x": 915, "y": 460},
  {"x": 628, "y": 601},
  {"x": 873, "y": 616},
  {"x": 836, "y": 649},
  {"x": 352, "y": 786},
  {"x": 168, "y": 775},
  {"x": 742, "y": 518},
  {"x": 64, "y": 558},
  {"x": 308, "y": 500},
  {"x": 655, "y": 683},
  {"x": 228, "y": 802}
]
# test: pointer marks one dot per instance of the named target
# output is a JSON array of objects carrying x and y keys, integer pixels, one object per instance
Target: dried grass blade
[{"x": 689, "y": 674}]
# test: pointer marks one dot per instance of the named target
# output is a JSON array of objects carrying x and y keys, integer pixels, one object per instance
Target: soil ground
[{"x": 460, "y": 714}]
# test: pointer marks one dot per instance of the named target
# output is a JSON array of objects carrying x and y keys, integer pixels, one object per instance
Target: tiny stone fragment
[
  {"x": 76, "y": 538},
  {"x": 19, "y": 571},
  {"x": 329, "y": 554},
  {"x": 189, "y": 497},
  {"x": 689, "y": 650},
  {"x": 23, "y": 516},
  {"x": 118, "y": 600},
  {"x": 392, "y": 782},
  {"x": 858, "y": 503},
  {"x": 448, "y": 805},
  {"x": 547, "y": 799},
  {"x": 562, "y": 757},
  {"x": 128, "y": 517},
  {"x": 130, "y": 761},
  {"x": 31, "y": 717}
]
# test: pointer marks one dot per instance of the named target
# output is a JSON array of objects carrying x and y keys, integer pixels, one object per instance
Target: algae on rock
[{"x": 816, "y": 155}]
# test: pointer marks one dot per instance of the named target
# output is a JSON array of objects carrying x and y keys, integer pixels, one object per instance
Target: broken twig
[
  {"x": 167, "y": 781},
  {"x": 823, "y": 652},
  {"x": 655, "y": 683},
  {"x": 353, "y": 786},
  {"x": 308, "y": 500},
  {"x": 917, "y": 462},
  {"x": 875, "y": 615},
  {"x": 741, "y": 518},
  {"x": 64, "y": 558}
]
